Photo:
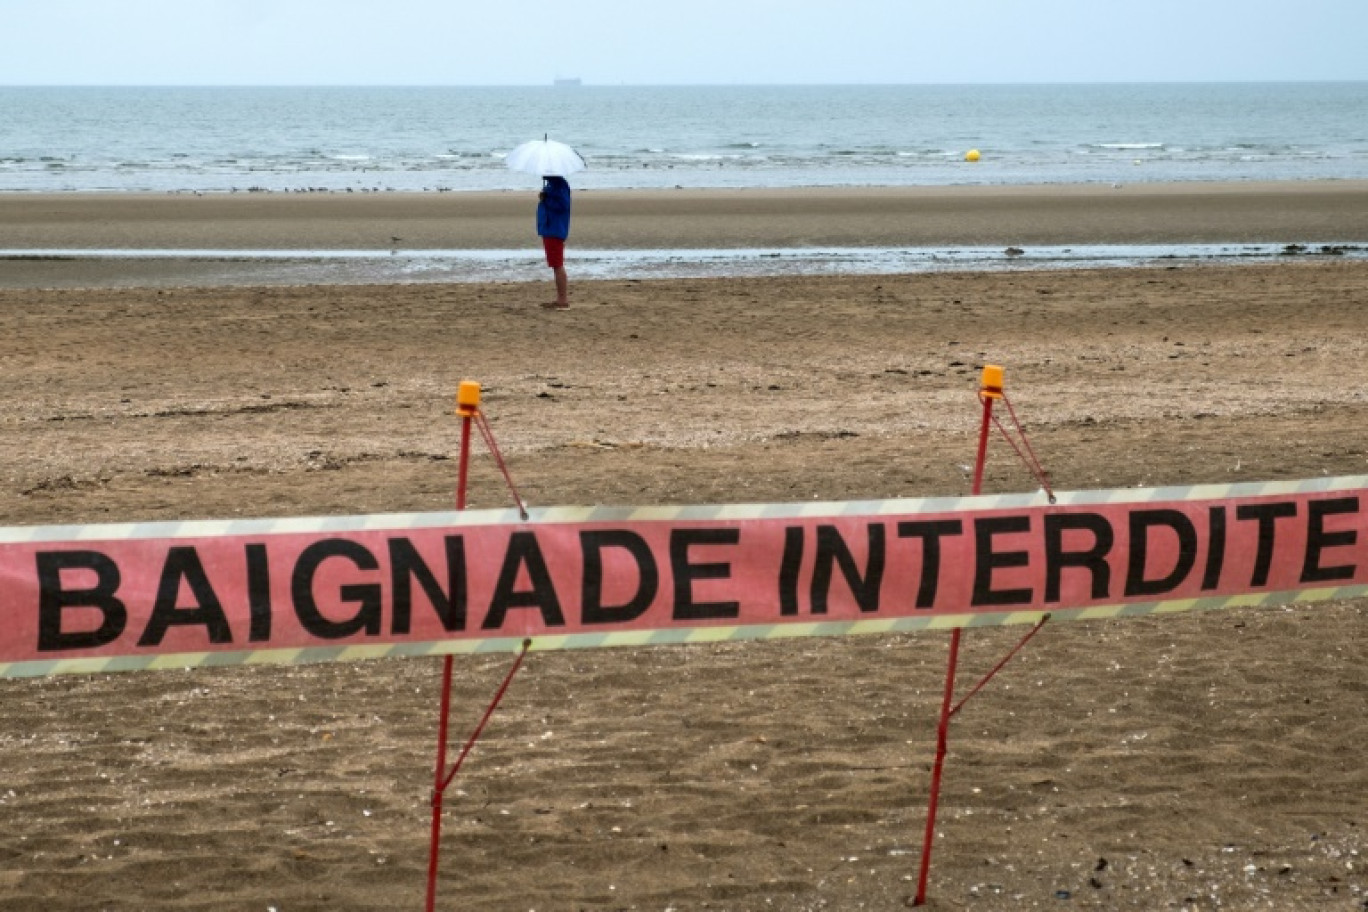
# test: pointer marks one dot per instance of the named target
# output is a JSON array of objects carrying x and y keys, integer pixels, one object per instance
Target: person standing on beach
[{"x": 553, "y": 226}]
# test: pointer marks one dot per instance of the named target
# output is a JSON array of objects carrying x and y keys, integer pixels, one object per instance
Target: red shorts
[{"x": 555, "y": 251}]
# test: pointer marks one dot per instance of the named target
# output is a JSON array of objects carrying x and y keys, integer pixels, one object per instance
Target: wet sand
[
  {"x": 1310, "y": 212},
  {"x": 1195, "y": 761}
]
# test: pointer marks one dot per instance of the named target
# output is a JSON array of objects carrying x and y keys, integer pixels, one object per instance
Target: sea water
[
  {"x": 178, "y": 139},
  {"x": 437, "y": 139}
]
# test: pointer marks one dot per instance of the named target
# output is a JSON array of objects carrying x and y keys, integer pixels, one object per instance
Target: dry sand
[{"x": 1205, "y": 761}]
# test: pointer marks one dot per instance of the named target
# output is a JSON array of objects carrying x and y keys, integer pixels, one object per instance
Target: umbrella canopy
[{"x": 545, "y": 158}]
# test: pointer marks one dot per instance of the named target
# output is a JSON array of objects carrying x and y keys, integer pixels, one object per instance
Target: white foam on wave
[{"x": 1129, "y": 146}]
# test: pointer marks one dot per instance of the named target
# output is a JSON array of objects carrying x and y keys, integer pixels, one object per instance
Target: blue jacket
[{"x": 553, "y": 212}]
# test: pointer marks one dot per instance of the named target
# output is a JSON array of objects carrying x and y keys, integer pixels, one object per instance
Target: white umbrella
[{"x": 545, "y": 158}]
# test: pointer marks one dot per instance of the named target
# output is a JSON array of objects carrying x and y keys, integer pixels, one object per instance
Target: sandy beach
[{"x": 1196, "y": 761}]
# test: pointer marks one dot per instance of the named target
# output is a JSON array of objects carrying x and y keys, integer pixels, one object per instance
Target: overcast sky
[{"x": 611, "y": 42}]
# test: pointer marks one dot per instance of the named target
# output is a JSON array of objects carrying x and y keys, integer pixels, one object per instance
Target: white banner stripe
[
  {"x": 662, "y": 637},
  {"x": 340, "y": 524}
]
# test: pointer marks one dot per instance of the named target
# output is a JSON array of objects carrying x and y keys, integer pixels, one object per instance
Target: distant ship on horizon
[{"x": 567, "y": 81}]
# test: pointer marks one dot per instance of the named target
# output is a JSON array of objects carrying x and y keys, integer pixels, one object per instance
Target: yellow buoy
[{"x": 972, "y": 155}]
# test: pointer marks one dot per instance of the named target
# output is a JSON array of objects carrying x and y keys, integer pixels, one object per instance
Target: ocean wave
[{"x": 1128, "y": 146}]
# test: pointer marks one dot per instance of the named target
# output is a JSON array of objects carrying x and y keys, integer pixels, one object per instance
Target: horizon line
[{"x": 584, "y": 84}]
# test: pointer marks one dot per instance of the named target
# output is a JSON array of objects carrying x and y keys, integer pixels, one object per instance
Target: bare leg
[{"x": 562, "y": 287}]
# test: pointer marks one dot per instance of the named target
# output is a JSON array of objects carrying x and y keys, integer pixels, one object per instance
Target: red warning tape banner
[{"x": 125, "y": 597}]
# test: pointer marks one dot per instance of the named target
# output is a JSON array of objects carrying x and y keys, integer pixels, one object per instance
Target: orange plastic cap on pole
[
  {"x": 991, "y": 384},
  {"x": 468, "y": 398}
]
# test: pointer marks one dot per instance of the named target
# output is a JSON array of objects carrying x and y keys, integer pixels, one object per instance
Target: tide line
[{"x": 466, "y": 265}]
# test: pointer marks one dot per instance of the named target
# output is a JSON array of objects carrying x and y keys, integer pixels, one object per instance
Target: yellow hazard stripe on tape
[
  {"x": 666, "y": 636},
  {"x": 728, "y": 512}
]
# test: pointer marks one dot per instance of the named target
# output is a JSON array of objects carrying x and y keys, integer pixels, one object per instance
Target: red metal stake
[
  {"x": 942, "y": 741},
  {"x": 982, "y": 458},
  {"x": 991, "y": 389},
  {"x": 463, "y": 467},
  {"x": 439, "y": 787},
  {"x": 444, "y": 776},
  {"x": 467, "y": 406}
]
